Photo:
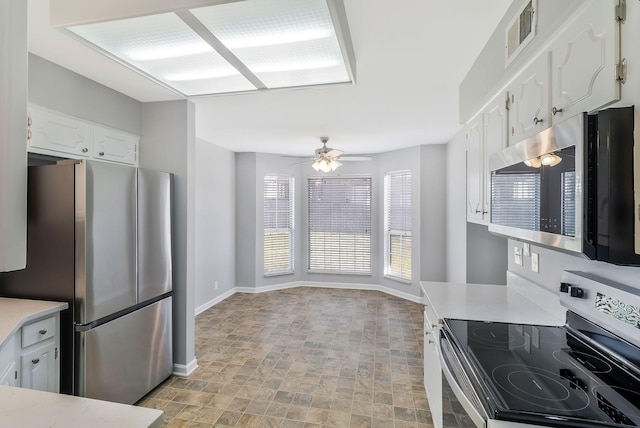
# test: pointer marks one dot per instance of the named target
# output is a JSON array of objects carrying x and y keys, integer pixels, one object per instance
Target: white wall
[
  {"x": 168, "y": 144},
  {"x": 215, "y": 217},
  {"x": 456, "y": 227}
]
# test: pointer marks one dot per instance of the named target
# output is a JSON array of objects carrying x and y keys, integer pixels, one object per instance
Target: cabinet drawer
[
  {"x": 38, "y": 331},
  {"x": 430, "y": 319}
]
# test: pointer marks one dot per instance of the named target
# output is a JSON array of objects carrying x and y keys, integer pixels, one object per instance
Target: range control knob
[
  {"x": 564, "y": 287},
  {"x": 576, "y": 292}
]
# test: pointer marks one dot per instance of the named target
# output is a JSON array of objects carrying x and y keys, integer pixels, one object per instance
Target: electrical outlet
[
  {"x": 526, "y": 249},
  {"x": 517, "y": 255},
  {"x": 215, "y": 285},
  {"x": 534, "y": 262}
]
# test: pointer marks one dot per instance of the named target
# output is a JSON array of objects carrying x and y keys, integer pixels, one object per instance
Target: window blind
[
  {"x": 397, "y": 223},
  {"x": 278, "y": 225},
  {"x": 569, "y": 203},
  {"x": 339, "y": 224},
  {"x": 514, "y": 198}
]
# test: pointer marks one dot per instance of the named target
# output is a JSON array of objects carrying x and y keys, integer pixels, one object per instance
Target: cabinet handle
[
  {"x": 35, "y": 360},
  {"x": 101, "y": 153},
  {"x": 85, "y": 150},
  {"x": 28, "y": 135},
  {"x": 485, "y": 212},
  {"x": 29, "y": 121},
  {"x": 478, "y": 211},
  {"x": 431, "y": 342},
  {"x": 537, "y": 121},
  {"x": 434, "y": 325},
  {"x": 43, "y": 331},
  {"x": 556, "y": 110}
]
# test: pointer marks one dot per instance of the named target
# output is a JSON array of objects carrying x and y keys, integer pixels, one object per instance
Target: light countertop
[
  {"x": 21, "y": 407},
  {"x": 485, "y": 303},
  {"x": 14, "y": 313}
]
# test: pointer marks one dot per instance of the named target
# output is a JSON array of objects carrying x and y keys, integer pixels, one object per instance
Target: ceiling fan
[{"x": 328, "y": 159}]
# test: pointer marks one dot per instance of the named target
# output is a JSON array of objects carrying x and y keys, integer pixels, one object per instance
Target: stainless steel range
[{"x": 583, "y": 374}]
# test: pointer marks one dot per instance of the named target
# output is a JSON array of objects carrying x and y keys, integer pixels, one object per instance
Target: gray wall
[
  {"x": 488, "y": 73},
  {"x": 486, "y": 256},
  {"x": 246, "y": 217},
  {"x": 168, "y": 144},
  {"x": 456, "y": 225},
  {"x": 433, "y": 209},
  {"x": 215, "y": 217},
  {"x": 64, "y": 91}
]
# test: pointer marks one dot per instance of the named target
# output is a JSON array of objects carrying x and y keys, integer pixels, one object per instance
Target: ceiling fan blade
[
  {"x": 355, "y": 158},
  {"x": 333, "y": 153}
]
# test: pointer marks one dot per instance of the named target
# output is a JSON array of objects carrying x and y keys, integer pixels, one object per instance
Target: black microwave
[{"x": 571, "y": 187}]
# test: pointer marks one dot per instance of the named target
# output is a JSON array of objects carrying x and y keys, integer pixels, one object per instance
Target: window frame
[
  {"x": 366, "y": 187},
  {"x": 390, "y": 232},
  {"x": 274, "y": 230}
]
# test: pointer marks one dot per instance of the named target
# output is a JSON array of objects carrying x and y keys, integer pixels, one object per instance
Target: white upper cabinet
[
  {"x": 57, "y": 133},
  {"x": 529, "y": 101},
  {"x": 495, "y": 137},
  {"x": 13, "y": 135},
  {"x": 115, "y": 146},
  {"x": 584, "y": 60},
  {"x": 475, "y": 168}
]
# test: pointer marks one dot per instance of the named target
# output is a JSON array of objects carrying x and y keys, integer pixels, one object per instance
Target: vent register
[{"x": 232, "y": 46}]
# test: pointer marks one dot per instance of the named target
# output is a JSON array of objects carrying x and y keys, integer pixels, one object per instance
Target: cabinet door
[
  {"x": 50, "y": 131},
  {"x": 8, "y": 363},
  {"x": 9, "y": 376},
  {"x": 432, "y": 372},
  {"x": 495, "y": 139},
  {"x": 583, "y": 61},
  {"x": 529, "y": 101},
  {"x": 115, "y": 146},
  {"x": 39, "y": 369},
  {"x": 475, "y": 167},
  {"x": 13, "y": 135}
]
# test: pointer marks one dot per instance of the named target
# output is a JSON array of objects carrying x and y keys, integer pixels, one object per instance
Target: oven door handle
[{"x": 466, "y": 403}]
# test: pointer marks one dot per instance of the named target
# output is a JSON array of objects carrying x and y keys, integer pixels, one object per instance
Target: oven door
[{"x": 460, "y": 382}]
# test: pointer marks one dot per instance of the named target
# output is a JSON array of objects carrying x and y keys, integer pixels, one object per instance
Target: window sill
[
  {"x": 279, "y": 273},
  {"x": 333, "y": 272},
  {"x": 398, "y": 279}
]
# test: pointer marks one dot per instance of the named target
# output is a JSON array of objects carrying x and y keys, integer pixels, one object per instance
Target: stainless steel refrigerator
[{"x": 99, "y": 237}]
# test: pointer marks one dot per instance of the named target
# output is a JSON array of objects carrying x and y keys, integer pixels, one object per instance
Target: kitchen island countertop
[
  {"x": 485, "y": 302},
  {"x": 21, "y": 407},
  {"x": 14, "y": 313}
]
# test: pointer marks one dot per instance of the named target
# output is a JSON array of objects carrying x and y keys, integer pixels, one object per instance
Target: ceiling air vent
[{"x": 521, "y": 30}]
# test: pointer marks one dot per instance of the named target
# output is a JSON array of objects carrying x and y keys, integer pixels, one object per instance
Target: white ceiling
[{"x": 411, "y": 56}]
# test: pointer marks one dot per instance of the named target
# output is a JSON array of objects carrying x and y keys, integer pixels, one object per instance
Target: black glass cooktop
[{"x": 549, "y": 375}]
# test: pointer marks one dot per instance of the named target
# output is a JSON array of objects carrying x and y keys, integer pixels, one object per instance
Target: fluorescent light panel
[{"x": 284, "y": 43}]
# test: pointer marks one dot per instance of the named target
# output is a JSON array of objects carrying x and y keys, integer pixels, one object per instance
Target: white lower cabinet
[
  {"x": 39, "y": 368},
  {"x": 432, "y": 368},
  {"x": 29, "y": 358}
]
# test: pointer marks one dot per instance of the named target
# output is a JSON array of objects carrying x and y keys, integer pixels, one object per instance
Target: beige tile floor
[{"x": 302, "y": 357}]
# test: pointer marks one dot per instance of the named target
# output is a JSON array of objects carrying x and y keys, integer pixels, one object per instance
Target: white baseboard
[
  {"x": 200, "y": 309},
  {"x": 185, "y": 370},
  {"x": 287, "y": 285}
]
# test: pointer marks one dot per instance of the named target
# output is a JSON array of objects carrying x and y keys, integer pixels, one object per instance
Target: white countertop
[
  {"x": 16, "y": 312},
  {"x": 21, "y": 407},
  {"x": 485, "y": 303}
]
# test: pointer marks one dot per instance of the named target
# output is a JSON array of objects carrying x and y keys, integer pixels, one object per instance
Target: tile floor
[{"x": 302, "y": 357}]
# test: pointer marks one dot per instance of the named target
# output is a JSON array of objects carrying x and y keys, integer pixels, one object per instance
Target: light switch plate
[
  {"x": 526, "y": 249},
  {"x": 534, "y": 262}
]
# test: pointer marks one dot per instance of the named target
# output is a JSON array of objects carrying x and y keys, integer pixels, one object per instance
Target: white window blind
[
  {"x": 515, "y": 200},
  {"x": 397, "y": 224},
  {"x": 339, "y": 226},
  {"x": 278, "y": 225}
]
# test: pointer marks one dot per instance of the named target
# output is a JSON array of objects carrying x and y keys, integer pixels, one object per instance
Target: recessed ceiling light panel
[{"x": 231, "y": 46}]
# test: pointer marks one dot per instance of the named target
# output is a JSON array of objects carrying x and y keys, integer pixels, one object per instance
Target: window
[
  {"x": 397, "y": 225},
  {"x": 278, "y": 225},
  {"x": 339, "y": 227}
]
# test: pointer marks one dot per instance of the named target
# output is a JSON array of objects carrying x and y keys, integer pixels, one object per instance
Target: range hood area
[{"x": 197, "y": 47}]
